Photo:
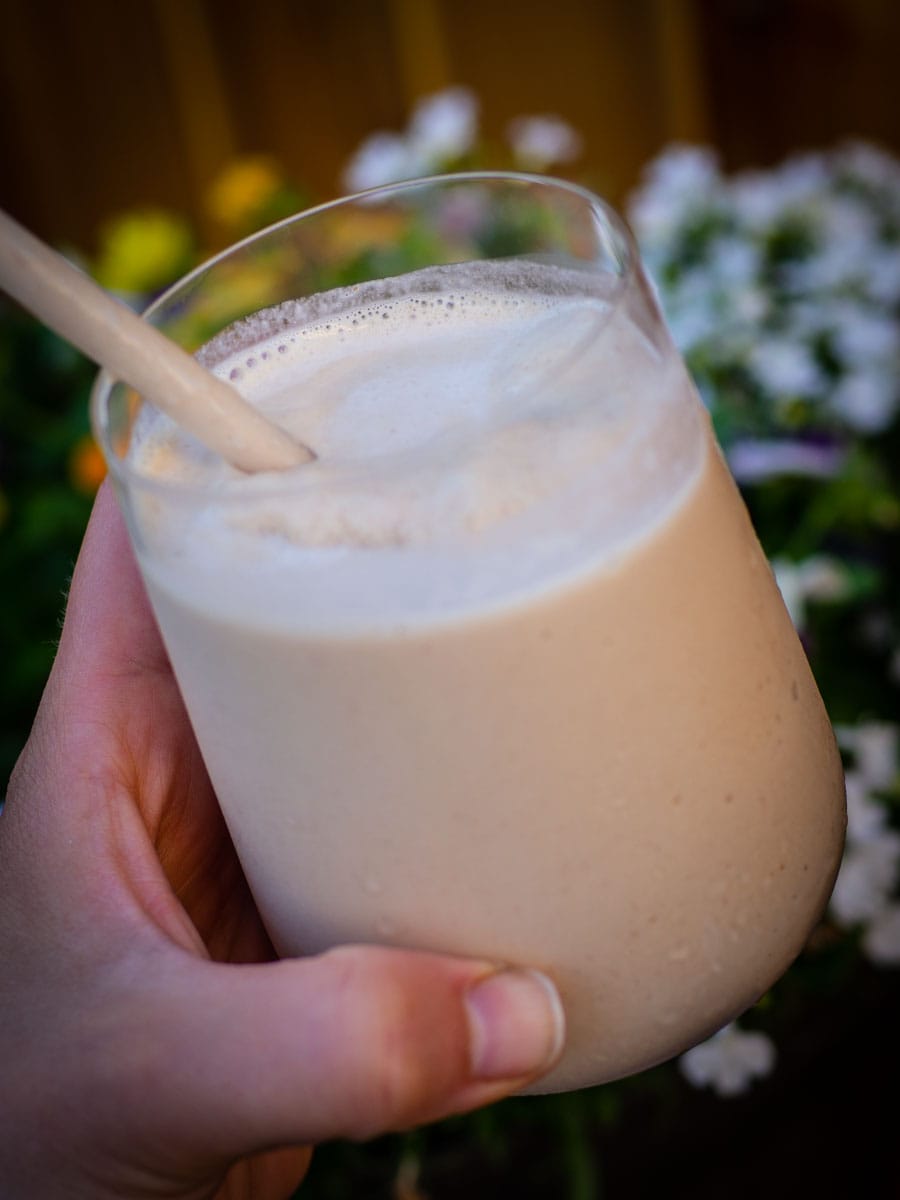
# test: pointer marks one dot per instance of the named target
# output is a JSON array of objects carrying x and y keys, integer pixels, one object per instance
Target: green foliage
[{"x": 44, "y": 387}]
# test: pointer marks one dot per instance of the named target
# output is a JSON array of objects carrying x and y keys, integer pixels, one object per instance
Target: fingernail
[{"x": 517, "y": 1025}]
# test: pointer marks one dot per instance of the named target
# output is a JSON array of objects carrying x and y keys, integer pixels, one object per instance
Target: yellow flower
[
  {"x": 143, "y": 251},
  {"x": 244, "y": 189},
  {"x": 87, "y": 466}
]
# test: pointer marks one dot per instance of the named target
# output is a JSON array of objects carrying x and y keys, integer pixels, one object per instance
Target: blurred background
[
  {"x": 105, "y": 105},
  {"x": 141, "y": 136}
]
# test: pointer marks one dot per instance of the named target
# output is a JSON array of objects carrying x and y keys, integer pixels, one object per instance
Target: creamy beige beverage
[{"x": 504, "y": 673}]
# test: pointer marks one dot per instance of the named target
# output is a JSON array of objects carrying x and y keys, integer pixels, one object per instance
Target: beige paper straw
[{"x": 108, "y": 332}]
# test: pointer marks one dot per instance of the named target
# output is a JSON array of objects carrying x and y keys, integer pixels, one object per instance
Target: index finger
[{"x": 109, "y": 626}]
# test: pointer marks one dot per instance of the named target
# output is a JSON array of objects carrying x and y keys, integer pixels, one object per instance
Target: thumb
[{"x": 353, "y": 1043}]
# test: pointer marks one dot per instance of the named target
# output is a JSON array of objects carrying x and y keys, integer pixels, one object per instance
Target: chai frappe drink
[{"x": 504, "y": 672}]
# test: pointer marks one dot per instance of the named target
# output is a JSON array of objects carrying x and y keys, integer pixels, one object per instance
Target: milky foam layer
[{"x": 455, "y": 413}]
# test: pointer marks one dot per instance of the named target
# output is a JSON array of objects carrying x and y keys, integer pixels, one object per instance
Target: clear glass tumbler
[{"x": 504, "y": 672}]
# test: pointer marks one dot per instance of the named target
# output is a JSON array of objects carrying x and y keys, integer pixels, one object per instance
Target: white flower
[
  {"x": 735, "y": 261},
  {"x": 823, "y": 578},
  {"x": 729, "y": 1061},
  {"x": 382, "y": 158},
  {"x": 758, "y": 199},
  {"x": 870, "y": 869},
  {"x": 701, "y": 309},
  {"x": 786, "y": 368},
  {"x": 865, "y": 400},
  {"x": 870, "y": 165},
  {"x": 803, "y": 179},
  {"x": 874, "y": 745},
  {"x": 675, "y": 185},
  {"x": 837, "y": 263},
  {"x": 866, "y": 818},
  {"x": 882, "y": 282},
  {"x": 845, "y": 232},
  {"x": 817, "y": 578},
  {"x": 539, "y": 141},
  {"x": 868, "y": 876},
  {"x": 789, "y": 578},
  {"x": 692, "y": 323},
  {"x": 813, "y": 316},
  {"x": 762, "y": 199},
  {"x": 684, "y": 171},
  {"x": 751, "y": 306},
  {"x": 846, "y": 220},
  {"x": 862, "y": 335},
  {"x": 655, "y": 220},
  {"x": 881, "y": 941},
  {"x": 444, "y": 126}
]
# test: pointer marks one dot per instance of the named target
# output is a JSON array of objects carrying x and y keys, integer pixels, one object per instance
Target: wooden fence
[{"x": 105, "y": 104}]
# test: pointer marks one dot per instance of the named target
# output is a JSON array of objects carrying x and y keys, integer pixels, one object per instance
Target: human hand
[{"x": 150, "y": 1044}]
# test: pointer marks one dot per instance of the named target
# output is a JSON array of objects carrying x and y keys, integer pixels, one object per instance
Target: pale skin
[{"x": 151, "y": 1044}]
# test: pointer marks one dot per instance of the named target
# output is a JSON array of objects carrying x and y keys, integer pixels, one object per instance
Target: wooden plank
[
  {"x": 682, "y": 71},
  {"x": 194, "y": 75},
  {"x": 419, "y": 32}
]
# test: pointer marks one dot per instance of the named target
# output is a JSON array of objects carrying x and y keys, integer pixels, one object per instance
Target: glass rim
[{"x": 125, "y": 474}]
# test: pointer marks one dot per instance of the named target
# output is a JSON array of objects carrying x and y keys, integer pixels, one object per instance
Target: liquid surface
[{"x": 498, "y": 425}]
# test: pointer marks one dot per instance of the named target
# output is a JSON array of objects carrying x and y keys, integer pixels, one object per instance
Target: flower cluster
[
  {"x": 781, "y": 288},
  {"x": 870, "y": 871},
  {"x": 443, "y": 133}
]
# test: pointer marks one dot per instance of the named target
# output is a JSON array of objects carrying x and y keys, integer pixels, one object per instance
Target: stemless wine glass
[{"x": 504, "y": 672}]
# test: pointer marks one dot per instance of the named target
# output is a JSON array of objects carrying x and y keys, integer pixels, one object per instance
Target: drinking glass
[{"x": 503, "y": 673}]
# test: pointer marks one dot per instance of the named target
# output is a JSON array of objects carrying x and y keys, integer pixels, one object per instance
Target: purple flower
[{"x": 754, "y": 460}]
